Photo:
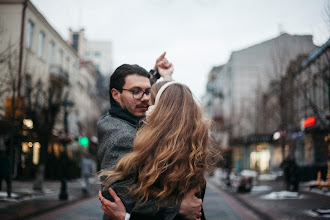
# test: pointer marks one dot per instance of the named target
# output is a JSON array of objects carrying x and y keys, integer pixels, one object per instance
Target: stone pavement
[{"x": 26, "y": 202}]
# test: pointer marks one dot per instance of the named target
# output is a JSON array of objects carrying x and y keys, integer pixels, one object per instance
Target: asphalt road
[{"x": 216, "y": 206}]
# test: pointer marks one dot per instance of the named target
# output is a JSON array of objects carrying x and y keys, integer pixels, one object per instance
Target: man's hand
[
  {"x": 114, "y": 210},
  {"x": 160, "y": 58},
  {"x": 191, "y": 206},
  {"x": 164, "y": 68}
]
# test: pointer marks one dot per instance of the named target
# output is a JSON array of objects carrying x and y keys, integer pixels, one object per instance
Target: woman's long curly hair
[{"x": 171, "y": 152}]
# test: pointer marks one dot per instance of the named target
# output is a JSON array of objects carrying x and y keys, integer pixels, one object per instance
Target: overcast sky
[{"x": 196, "y": 34}]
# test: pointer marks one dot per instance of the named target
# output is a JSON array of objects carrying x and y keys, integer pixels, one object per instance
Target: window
[
  {"x": 97, "y": 54},
  {"x": 60, "y": 57},
  {"x": 87, "y": 54},
  {"x": 51, "y": 52},
  {"x": 67, "y": 65},
  {"x": 75, "y": 41},
  {"x": 97, "y": 67},
  {"x": 41, "y": 47},
  {"x": 29, "y": 35},
  {"x": 325, "y": 96}
]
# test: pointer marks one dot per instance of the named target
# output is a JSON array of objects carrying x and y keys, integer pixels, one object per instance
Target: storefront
[
  {"x": 257, "y": 152},
  {"x": 312, "y": 149}
]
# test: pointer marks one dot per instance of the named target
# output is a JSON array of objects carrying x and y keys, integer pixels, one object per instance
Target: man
[{"x": 129, "y": 98}]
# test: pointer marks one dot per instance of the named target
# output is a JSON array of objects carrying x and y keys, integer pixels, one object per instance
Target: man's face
[{"x": 125, "y": 99}]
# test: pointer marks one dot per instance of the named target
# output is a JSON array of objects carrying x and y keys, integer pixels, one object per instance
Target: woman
[{"x": 170, "y": 156}]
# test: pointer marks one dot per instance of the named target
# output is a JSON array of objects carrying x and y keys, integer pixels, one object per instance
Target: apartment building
[
  {"x": 100, "y": 52},
  {"x": 48, "y": 69},
  {"x": 235, "y": 91}
]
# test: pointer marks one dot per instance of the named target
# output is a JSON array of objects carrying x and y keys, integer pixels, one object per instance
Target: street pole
[
  {"x": 64, "y": 194},
  {"x": 21, "y": 48}
]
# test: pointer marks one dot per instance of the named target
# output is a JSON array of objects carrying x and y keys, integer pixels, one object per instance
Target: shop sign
[
  {"x": 18, "y": 105},
  {"x": 309, "y": 121},
  {"x": 278, "y": 134}
]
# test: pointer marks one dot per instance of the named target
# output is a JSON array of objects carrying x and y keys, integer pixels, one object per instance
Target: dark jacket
[{"x": 148, "y": 210}]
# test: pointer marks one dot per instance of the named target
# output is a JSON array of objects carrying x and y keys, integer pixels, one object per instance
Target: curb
[
  {"x": 27, "y": 213},
  {"x": 50, "y": 208}
]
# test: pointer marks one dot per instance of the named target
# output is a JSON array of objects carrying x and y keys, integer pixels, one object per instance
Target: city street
[
  {"x": 217, "y": 205},
  {"x": 178, "y": 87},
  {"x": 88, "y": 209},
  {"x": 267, "y": 200}
]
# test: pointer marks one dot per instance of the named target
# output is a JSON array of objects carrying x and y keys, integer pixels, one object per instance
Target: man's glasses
[{"x": 138, "y": 93}]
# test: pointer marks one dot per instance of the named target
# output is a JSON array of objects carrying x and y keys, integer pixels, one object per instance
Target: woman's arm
[{"x": 149, "y": 208}]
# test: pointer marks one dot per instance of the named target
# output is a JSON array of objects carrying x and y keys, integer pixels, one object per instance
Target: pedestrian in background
[
  {"x": 4, "y": 168},
  {"x": 86, "y": 171},
  {"x": 291, "y": 173}
]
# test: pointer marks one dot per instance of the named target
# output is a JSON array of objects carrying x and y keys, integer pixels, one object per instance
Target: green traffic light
[{"x": 83, "y": 141}]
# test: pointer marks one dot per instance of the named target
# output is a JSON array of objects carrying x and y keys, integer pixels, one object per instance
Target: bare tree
[
  {"x": 313, "y": 82},
  {"x": 41, "y": 102},
  {"x": 44, "y": 103},
  {"x": 326, "y": 14}
]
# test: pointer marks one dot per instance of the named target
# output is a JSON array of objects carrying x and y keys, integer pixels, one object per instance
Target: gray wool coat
[{"x": 116, "y": 138}]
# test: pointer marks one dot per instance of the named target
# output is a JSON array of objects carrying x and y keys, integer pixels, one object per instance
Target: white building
[
  {"x": 35, "y": 54},
  {"x": 234, "y": 98},
  {"x": 242, "y": 81},
  {"x": 31, "y": 51},
  {"x": 100, "y": 52}
]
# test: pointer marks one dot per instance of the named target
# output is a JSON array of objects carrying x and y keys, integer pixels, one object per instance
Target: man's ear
[{"x": 115, "y": 95}]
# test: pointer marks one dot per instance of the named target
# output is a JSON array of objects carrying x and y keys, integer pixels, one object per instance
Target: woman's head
[{"x": 168, "y": 96}]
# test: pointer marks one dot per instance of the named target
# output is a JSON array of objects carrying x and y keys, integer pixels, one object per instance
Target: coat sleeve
[{"x": 148, "y": 210}]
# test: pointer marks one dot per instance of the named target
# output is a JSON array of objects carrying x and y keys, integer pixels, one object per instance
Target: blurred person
[
  {"x": 86, "y": 171},
  {"x": 294, "y": 176},
  {"x": 170, "y": 157},
  {"x": 129, "y": 99},
  {"x": 4, "y": 168},
  {"x": 290, "y": 171}
]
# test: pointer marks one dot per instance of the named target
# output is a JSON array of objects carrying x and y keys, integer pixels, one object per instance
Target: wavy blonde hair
[{"x": 171, "y": 152}]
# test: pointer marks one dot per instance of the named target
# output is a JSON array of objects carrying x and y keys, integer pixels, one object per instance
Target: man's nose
[{"x": 145, "y": 98}]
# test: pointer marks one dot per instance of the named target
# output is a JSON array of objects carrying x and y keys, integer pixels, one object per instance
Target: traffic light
[{"x": 83, "y": 141}]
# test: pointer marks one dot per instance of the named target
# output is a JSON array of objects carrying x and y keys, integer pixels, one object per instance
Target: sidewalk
[
  {"x": 26, "y": 202},
  {"x": 269, "y": 200}
]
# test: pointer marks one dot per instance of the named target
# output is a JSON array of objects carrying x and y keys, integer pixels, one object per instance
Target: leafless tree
[
  {"x": 326, "y": 14},
  {"x": 315, "y": 77},
  {"x": 44, "y": 103}
]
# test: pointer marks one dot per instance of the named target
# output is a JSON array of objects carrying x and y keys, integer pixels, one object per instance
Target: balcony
[{"x": 57, "y": 74}]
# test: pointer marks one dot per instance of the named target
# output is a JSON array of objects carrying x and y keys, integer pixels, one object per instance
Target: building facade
[
  {"x": 235, "y": 93},
  {"x": 42, "y": 74},
  {"x": 100, "y": 52},
  {"x": 311, "y": 139}
]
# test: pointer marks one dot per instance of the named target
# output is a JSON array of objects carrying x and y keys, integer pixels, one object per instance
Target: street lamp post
[{"x": 63, "y": 194}]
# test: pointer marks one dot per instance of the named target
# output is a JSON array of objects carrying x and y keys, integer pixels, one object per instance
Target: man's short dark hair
[{"x": 117, "y": 79}]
